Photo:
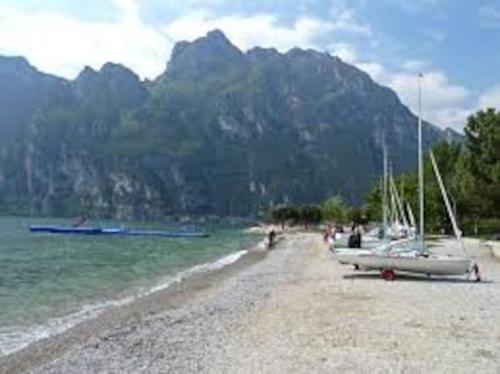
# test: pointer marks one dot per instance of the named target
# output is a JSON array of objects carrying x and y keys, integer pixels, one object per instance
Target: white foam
[{"x": 15, "y": 338}]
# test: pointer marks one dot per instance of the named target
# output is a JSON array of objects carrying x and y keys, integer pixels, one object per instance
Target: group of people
[{"x": 354, "y": 239}]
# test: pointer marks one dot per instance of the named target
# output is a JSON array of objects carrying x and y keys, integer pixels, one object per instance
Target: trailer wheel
[{"x": 388, "y": 274}]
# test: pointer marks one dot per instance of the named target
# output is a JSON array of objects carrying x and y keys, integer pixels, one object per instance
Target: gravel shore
[{"x": 292, "y": 309}]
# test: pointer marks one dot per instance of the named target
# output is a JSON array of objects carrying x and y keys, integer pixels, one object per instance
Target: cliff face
[{"x": 220, "y": 131}]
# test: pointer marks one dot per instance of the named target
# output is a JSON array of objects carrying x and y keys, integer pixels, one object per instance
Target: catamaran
[
  {"x": 395, "y": 225},
  {"x": 413, "y": 256}
]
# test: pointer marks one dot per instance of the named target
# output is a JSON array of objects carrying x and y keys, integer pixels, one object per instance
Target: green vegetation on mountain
[{"x": 219, "y": 132}]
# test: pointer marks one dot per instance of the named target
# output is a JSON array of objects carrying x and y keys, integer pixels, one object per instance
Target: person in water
[{"x": 79, "y": 221}]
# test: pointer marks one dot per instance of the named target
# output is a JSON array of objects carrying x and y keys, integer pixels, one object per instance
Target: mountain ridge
[{"x": 218, "y": 124}]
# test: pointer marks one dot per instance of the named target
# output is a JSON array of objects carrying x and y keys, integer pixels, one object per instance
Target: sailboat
[
  {"x": 414, "y": 257},
  {"x": 395, "y": 225},
  {"x": 380, "y": 234}
]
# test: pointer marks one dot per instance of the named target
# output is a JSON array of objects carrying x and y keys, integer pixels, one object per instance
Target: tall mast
[
  {"x": 399, "y": 204},
  {"x": 384, "y": 186},
  {"x": 394, "y": 208},
  {"x": 456, "y": 230},
  {"x": 420, "y": 161}
]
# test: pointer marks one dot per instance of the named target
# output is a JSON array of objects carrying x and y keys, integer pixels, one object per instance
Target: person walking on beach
[
  {"x": 328, "y": 233},
  {"x": 271, "y": 237}
]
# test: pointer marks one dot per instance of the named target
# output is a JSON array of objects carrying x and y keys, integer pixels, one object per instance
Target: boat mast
[
  {"x": 420, "y": 163},
  {"x": 399, "y": 204},
  {"x": 456, "y": 230},
  {"x": 384, "y": 187},
  {"x": 410, "y": 215},
  {"x": 394, "y": 207}
]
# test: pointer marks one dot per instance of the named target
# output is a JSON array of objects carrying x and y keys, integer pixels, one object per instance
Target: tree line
[
  {"x": 332, "y": 210},
  {"x": 470, "y": 172}
]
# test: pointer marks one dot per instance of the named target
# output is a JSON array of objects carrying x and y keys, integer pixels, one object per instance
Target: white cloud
[
  {"x": 489, "y": 16},
  {"x": 59, "y": 44},
  {"x": 374, "y": 69},
  {"x": 62, "y": 45},
  {"x": 439, "y": 91},
  {"x": 345, "y": 19},
  {"x": 345, "y": 51},
  {"x": 444, "y": 103},
  {"x": 249, "y": 31},
  {"x": 490, "y": 98},
  {"x": 415, "y": 65},
  {"x": 263, "y": 30}
]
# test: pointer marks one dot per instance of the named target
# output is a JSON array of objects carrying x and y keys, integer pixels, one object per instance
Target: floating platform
[{"x": 115, "y": 231}]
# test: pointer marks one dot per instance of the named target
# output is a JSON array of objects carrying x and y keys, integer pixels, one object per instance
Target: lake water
[{"x": 50, "y": 282}]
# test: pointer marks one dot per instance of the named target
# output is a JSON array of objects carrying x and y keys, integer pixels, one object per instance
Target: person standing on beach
[{"x": 354, "y": 240}]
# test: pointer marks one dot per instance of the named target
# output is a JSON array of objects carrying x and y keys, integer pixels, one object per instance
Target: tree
[
  {"x": 482, "y": 134},
  {"x": 436, "y": 216},
  {"x": 470, "y": 172},
  {"x": 310, "y": 214},
  {"x": 283, "y": 214},
  {"x": 354, "y": 215},
  {"x": 374, "y": 203},
  {"x": 334, "y": 209},
  {"x": 280, "y": 215}
]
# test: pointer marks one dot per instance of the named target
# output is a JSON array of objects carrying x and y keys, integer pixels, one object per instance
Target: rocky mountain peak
[
  {"x": 120, "y": 83},
  {"x": 112, "y": 69},
  {"x": 306, "y": 53},
  {"x": 217, "y": 36},
  {"x": 86, "y": 74},
  {"x": 211, "y": 54},
  {"x": 15, "y": 65},
  {"x": 219, "y": 124},
  {"x": 263, "y": 54}
]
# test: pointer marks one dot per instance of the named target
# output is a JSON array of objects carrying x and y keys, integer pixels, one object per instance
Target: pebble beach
[{"x": 289, "y": 310}]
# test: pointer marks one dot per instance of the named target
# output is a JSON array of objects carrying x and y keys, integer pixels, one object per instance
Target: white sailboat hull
[
  {"x": 367, "y": 244},
  {"x": 436, "y": 265}
]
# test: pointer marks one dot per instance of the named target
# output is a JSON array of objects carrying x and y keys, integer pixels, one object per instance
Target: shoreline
[
  {"x": 291, "y": 309},
  {"x": 173, "y": 293}
]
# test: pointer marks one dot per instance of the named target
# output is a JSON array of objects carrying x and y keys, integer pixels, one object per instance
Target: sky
[{"x": 454, "y": 43}]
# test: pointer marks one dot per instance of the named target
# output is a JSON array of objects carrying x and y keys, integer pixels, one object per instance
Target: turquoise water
[{"x": 48, "y": 282}]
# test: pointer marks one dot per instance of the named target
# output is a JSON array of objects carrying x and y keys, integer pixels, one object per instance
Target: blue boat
[
  {"x": 115, "y": 231},
  {"x": 66, "y": 230},
  {"x": 168, "y": 234}
]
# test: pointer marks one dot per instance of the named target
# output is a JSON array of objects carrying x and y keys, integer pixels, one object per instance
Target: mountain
[{"x": 220, "y": 132}]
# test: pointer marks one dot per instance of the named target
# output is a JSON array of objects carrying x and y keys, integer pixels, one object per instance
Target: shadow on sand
[{"x": 405, "y": 277}]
